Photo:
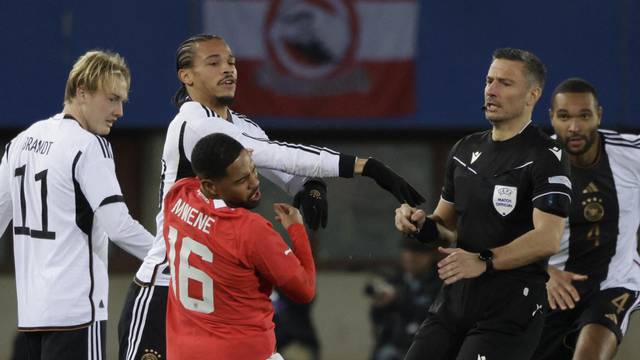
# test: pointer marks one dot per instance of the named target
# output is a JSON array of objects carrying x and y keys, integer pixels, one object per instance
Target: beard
[
  {"x": 248, "y": 204},
  {"x": 589, "y": 140},
  {"x": 225, "y": 100}
]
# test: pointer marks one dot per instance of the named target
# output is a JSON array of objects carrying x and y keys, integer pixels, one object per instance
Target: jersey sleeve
[
  {"x": 551, "y": 183},
  {"x": 6, "y": 206},
  {"x": 96, "y": 174},
  {"x": 633, "y": 154},
  {"x": 123, "y": 230},
  {"x": 448, "y": 187},
  {"x": 290, "y": 184},
  {"x": 290, "y": 158},
  {"x": 277, "y": 263}
]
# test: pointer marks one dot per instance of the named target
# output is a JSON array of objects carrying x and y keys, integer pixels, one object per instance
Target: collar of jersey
[{"x": 219, "y": 204}]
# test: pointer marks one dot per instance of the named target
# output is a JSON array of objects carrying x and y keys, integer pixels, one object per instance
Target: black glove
[
  {"x": 313, "y": 198},
  {"x": 392, "y": 182}
]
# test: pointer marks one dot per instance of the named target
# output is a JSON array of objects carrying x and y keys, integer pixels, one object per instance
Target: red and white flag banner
[{"x": 320, "y": 58}]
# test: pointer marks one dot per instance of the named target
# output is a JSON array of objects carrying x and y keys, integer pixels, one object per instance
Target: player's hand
[
  {"x": 392, "y": 182},
  {"x": 459, "y": 264},
  {"x": 409, "y": 220},
  {"x": 287, "y": 215},
  {"x": 313, "y": 200},
  {"x": 560, "y": 291}
]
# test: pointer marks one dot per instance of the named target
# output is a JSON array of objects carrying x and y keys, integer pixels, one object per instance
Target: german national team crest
[{"x": 504, "y": 199}]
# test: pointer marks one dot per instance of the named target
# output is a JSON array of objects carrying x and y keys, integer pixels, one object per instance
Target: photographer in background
[{"x": 400, "y": 302}]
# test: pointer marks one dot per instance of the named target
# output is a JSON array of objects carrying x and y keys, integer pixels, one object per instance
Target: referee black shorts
[
  {"x": 81, "y": 344},
  {"x": 491, "y": 317},
  {"x": 611, "y": 308},
  {"x": 141, "y": 329}
]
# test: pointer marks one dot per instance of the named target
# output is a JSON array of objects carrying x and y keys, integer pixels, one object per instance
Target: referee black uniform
[{"x": 494, "y": 187}]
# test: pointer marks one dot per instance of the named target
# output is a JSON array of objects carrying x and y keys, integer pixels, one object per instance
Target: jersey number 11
[{"x": 25, "y": 230}]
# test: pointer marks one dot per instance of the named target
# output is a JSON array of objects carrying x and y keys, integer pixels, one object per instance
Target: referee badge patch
[{"x": 504, "y": 199}]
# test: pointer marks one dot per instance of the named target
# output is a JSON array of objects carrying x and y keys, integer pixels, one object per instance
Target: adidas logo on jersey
[
  {"x": 591, "y": 188},
  {"x": 612, "y": 317}
]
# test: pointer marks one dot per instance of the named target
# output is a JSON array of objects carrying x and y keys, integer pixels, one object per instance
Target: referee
[{"x": 505, "y": 198}]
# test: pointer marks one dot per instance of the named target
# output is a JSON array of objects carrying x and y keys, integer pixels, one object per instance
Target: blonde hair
[{"x": 95, "y": 70}]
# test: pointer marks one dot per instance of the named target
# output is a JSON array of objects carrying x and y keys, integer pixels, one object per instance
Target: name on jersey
[
  {"x": 192, "y": 216},
  {"x": 37, "y": 146}
]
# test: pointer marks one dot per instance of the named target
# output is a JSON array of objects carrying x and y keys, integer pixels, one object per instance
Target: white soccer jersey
[
  {"x": 600, "y": 237},
  {"x": 58, "y": 184},
  {"x": 278, "y": 161}
]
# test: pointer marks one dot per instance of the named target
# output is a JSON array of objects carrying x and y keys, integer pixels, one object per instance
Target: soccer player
[
  {"x": 225, "y": 259},
  {"x": 58, "y": 184},
  {"x": 595, "y": 278},
  {"x": 505, "y": 198},
  {"x": 206, "y": 68}
]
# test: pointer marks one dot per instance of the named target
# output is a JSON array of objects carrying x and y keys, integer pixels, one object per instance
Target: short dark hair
[
  {"x": 574, "y": 85},
  {"x": 184, "y": 60},
  {"x": 533, "y": 65},
  {"x": 213, "y": 154}
]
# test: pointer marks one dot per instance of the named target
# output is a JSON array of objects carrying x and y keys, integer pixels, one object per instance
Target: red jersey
[{"x": 224, "y": 263}]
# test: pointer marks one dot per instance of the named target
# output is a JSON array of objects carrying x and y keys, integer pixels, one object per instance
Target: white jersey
[
  {"x": 58, "y": 184},
  {"x": 286, "y": 165},
  {"x": 600, "y": 237}
]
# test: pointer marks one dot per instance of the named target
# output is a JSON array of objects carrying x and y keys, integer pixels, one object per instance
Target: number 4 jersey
[
  {"x": 58, "y": 184},
  {"x": 224, "y": 262}
]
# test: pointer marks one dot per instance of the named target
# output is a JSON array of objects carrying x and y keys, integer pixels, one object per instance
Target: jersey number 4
[
  {"x": 22, "y": 229},
  {"x": 187, "y": 272}
]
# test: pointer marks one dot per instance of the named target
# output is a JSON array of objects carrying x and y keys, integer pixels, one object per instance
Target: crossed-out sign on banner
[{"x": 320, "y": 58}]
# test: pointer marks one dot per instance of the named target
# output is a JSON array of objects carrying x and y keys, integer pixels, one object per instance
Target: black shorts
[
  {"x": 489, "y": 317},
  {"x": 81, "y": 344},
  {"x": 610, "y": 308},
  {"x": 141, "y": 329}
]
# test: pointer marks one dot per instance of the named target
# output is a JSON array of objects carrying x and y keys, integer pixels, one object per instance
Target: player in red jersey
[{"x": 225, "y": 259}]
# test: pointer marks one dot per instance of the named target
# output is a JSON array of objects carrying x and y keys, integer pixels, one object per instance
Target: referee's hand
[
  {"x": 409, "y": 220},
  {"x": 459, "y": 264},
  {"x": 560, "y": 291}
]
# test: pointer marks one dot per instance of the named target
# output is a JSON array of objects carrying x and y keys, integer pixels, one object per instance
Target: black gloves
[
  {"x": 313, "y": 198},
  {"x": 392, "y": 182}
]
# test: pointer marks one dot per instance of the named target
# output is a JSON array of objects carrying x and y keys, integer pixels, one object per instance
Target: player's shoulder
[
  {"x": 181, "y": 189},
  {"x": 68, "y": 133},
  {"x": 193, "y": 110},
  {"x": 620, "y": 140},
  {"x": 243, "y": 118},
  {"x": 185, "y": 184},
  {"x": 253, "y": 225}
]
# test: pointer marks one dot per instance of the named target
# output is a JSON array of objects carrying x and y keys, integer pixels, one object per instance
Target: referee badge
[{"x": 504, "y": 199}]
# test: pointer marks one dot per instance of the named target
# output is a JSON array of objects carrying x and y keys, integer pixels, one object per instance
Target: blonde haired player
[{"x": 58, "y": 185}]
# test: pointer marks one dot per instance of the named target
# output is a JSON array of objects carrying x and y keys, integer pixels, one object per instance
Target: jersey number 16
[{"x": 187, "y": 272}]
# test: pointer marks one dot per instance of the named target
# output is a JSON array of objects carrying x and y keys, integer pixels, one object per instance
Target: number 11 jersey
[{"x": 53, "y": 177}]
